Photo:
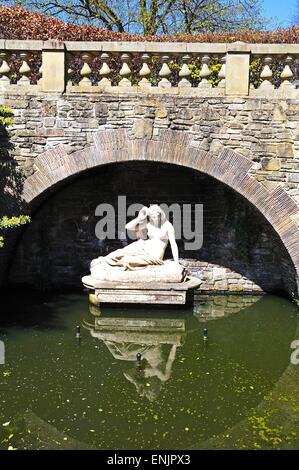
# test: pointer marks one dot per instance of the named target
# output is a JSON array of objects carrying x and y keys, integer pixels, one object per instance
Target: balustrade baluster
[
  {"x": 222, "y": 72},
  {"x": 287, "y": 74},
  {"x": 145, "y": 71},
  {"x": 164, "y": 73},
  {"x": 85, "y": 71},
  {"x": 205, "y": 73},
  {"x": 24, "y": 69},
  {"x": 266, "y": 74},
  {"x": 125, "y": 71},
  {"x": 70, "y": 74},
  {"x": 70, "y": 69},
  {"x": 4, "y": 69},
  {"x": 185, "y": 72},
  {"x": 105, "y": 70}
]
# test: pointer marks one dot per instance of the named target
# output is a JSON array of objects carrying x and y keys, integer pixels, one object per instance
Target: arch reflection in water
[
  {"x": 157, "y": 340},
  {"x": 210, "y": 307}
]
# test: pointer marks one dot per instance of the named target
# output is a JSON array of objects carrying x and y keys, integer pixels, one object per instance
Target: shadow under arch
[
  {"x": 229, "y": 167},
  {"x": 173, "y": 147},
  {"x": 56, "y": 248}
]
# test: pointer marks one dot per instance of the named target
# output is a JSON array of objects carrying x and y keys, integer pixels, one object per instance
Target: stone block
[
  {"x": 237, "y": 73},
  {"x": 293, "y": 177},
  {"x": 50, "y": 132},
  {"x": 219, "y": 273},
  {"x": 49, "y": 108},
  {"x": 279, "y": 114},
  {"x": 101, "y": 109},
  {"x": 16, "y": 103},
  {"x": 261, "y": 115},
  {"x": 24, "y": 133},
  {"x": 161, "y": 113},
  {"x": 61, "y": 124},
  {"x": 49, "y": 122},
  {"x": 235, "y": 125},
  {"x": 53, "y": 70},
  {"x": 271, "y": 164},
  {"x": 233, "y": 276},
  {"x": 221, "y": 285},
  {"x": 235, "y": 288},
  {"x": 143, "y": 128},
  {"x": 281, "y": 149},
  {"x": 216, "y": 146}
]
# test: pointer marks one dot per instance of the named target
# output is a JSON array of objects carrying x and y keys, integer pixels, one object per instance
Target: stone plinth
[{"x": 177, "y": 293}]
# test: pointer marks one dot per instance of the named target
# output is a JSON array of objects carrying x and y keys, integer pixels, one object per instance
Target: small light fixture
[{"x": 78, "y": 332}]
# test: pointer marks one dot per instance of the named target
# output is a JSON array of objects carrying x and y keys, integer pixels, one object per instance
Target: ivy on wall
[
  {"x": 6, "y": 223},
  {"x": 6, "y": 116}
]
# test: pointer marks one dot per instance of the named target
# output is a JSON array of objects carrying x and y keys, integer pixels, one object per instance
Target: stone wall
[{"x": 266, "y": 131}]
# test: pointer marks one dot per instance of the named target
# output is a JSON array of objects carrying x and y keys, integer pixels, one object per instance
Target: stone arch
[{"x": 174, "y": 147}]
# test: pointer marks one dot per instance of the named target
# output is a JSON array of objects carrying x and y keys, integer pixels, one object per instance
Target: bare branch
[{"x": 156, "y": 16}]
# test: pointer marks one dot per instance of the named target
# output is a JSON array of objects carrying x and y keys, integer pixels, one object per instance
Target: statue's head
[{"x": 156, "y": 214}]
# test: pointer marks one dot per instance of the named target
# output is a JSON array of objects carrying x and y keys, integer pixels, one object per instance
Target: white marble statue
[{"x": 154, "y": 232}]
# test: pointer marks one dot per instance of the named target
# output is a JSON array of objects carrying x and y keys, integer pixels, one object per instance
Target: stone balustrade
[{"x": 182, "y": 68}]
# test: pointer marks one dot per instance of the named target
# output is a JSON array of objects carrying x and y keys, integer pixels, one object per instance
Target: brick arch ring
[{"x": 173, "y": 147}]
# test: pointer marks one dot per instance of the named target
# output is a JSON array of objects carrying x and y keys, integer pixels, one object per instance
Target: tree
[
  {"x": 152, "y": 17},
  {"x": 219, "y": 16}
]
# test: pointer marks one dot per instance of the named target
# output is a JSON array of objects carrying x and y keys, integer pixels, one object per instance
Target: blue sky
[{"x": 283, "y": 10}]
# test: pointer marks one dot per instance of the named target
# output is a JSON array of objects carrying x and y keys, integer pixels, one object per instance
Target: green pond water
[{"x": 236, "y": 390}]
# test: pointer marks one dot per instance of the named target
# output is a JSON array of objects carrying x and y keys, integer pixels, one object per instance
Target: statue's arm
[
  {"x": 139, "y": 222},
  {"x": 173, "y": 243}
]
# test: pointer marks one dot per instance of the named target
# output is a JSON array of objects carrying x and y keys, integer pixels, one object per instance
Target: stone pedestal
[{"x": 168, "y": 293}]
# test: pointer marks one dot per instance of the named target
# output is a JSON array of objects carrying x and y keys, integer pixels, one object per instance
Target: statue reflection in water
[{"x": 156, "y": 339}]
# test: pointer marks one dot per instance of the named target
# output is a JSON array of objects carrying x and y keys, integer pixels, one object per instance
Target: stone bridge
[{"x": 93, "y": 121}]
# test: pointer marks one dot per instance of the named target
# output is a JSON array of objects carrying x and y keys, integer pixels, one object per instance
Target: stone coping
[
  {"x": 151, "y": 47},
  {"x": 282, "y": 93}
]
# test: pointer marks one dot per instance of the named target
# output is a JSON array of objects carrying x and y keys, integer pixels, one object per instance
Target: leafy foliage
[
  {"x": 6, "y": 116},
  {"x": 255, "y": 72},
  {"x": 6, "y": 119},
  {"x": 195, "y": 67},
  {"x": 17, "y": 23},
  {"x": 12, "y": 222}
]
